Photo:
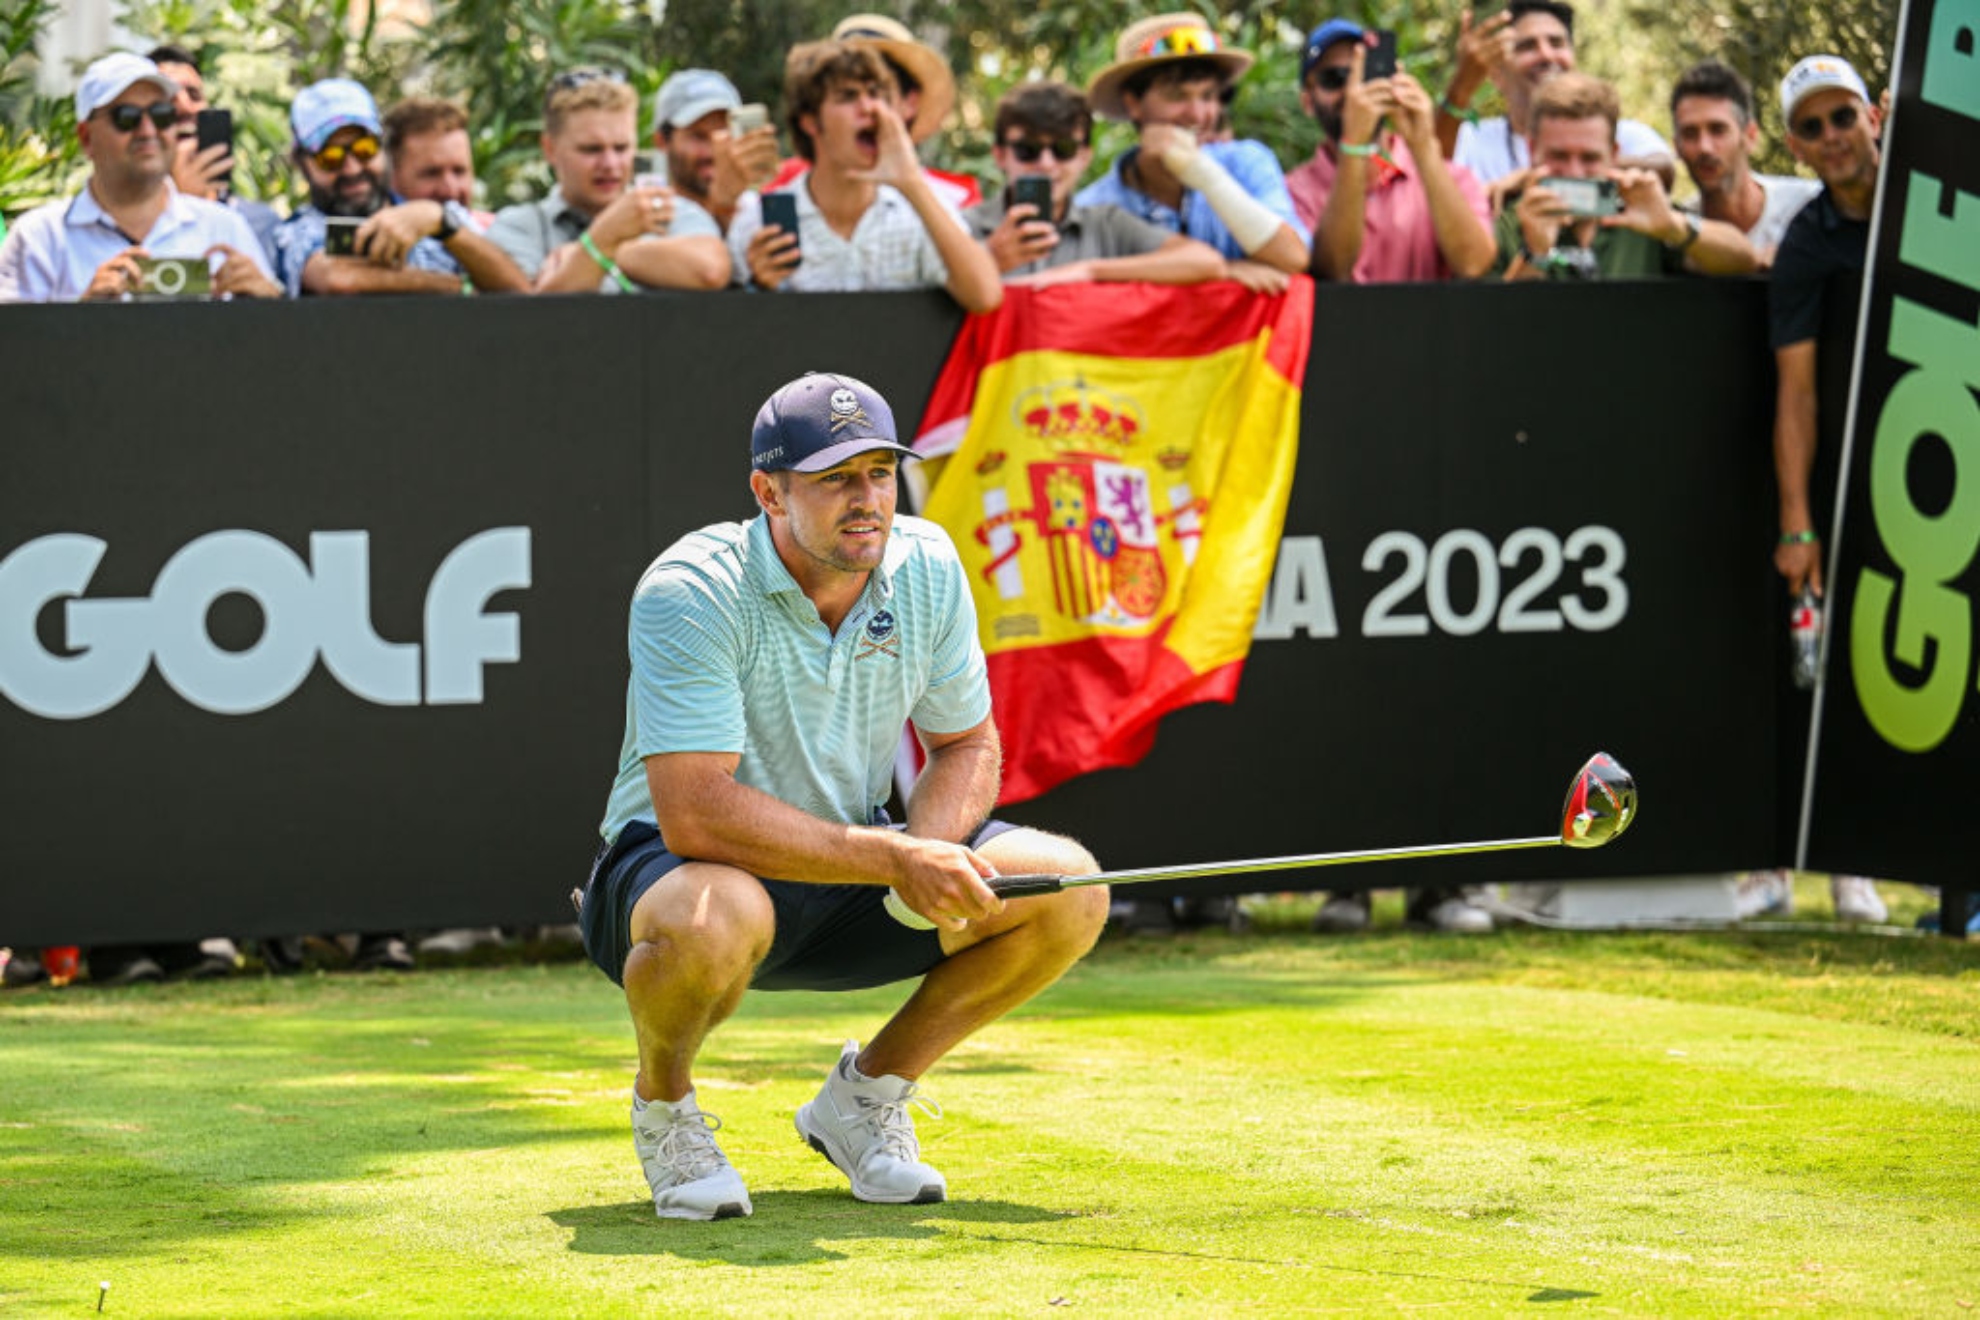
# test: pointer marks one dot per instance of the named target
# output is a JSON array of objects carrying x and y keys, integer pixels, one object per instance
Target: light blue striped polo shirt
[{"x": 729, "y": 655}]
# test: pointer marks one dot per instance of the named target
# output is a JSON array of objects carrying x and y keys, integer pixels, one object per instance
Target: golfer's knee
[
  {"x": 700, "y": 928},
  {"x": 1082, "y": 914}
]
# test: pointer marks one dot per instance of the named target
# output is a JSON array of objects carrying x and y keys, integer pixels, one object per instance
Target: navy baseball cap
[
  {"x": 1329, "y": 32},
  {"x": 820, "y": 420}
]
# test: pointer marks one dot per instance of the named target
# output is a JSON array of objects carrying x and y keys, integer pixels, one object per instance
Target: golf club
[{"x": 1601, "y": 802}]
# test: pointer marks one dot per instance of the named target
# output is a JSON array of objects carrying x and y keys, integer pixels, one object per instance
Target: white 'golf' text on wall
[{"x": 322, "y": 607}]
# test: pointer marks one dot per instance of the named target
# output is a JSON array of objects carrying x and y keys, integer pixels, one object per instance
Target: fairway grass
[{"x": 1531, "y": 1122}]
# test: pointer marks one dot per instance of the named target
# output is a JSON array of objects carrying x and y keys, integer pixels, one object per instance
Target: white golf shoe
[
  {"x": 690, "y": 1176},
  {"x": 862, "y": 1125}
]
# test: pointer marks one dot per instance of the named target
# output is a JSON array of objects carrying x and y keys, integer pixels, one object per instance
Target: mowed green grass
[{"x": 1531, "y": 1122}]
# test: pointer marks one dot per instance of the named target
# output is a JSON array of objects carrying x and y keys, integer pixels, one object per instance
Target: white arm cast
[{"x": 1250, "y": 221}]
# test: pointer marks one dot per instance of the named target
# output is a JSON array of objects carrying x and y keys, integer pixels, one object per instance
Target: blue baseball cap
[
  {"x": 820, "y": 420},
  {"x": 322, "y": 108},
  {"x": 1329, "y": 32}
]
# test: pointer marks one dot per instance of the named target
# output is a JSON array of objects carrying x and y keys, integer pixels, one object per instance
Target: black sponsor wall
[
  {"x": 1900, "y": 718},
  {"x": 1448, "y": 420},
  {"x": 1430, "y": 412}
]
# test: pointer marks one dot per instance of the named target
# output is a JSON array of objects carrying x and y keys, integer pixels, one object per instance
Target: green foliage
[
  {"x": 38, "y": 149},
  {"x": 1761, "y": 39},
  {"x": 496, "y": 55}
]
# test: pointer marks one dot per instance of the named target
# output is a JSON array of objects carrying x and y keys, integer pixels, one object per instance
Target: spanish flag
[{"x": 1118, "y": 460}]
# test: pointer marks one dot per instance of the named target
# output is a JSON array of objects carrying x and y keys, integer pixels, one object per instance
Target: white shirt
[
  {"x": 889, "y": 248},
  {"x": 53, "y": 252},
  {"x": 1491, "y": 150},
  {"x": 1786, "y": 195}
]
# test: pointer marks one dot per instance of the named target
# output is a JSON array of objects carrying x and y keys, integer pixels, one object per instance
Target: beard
[{"x": 333, "y": 201}]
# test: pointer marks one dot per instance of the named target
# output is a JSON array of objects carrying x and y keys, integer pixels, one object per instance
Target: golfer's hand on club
[{"x": 943, "y": 882}]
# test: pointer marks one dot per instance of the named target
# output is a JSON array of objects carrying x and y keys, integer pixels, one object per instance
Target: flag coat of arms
[{"x": 1115, "y": 466}]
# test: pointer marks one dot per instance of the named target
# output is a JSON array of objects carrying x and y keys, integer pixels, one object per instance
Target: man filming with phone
[
  {"x": 1581, "y": 216},
  {"x": 129, "y": 232},
  {"x": 205, "y": 167},
  {"x": 356, "y": 236},
  {"x": 864, "y": 217},
  {"x": 717, "y": 148},
  {"x": 1043, "y": 140},
  {"x": 1383, "y": 204}
]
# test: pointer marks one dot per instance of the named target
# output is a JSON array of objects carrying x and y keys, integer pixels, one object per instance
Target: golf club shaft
[{"x": 1012, "y": 886}]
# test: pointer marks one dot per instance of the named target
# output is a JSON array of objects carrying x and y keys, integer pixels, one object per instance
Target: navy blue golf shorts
[{"x": 829, "y": 937}]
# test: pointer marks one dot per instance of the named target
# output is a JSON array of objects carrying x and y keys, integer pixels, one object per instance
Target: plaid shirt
[{"x": 889, "y": 248}]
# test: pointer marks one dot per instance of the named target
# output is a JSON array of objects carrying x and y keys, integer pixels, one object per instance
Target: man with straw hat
[
  {"x": 1167, "y": 78},
  {"x": 927, "y": 92}
]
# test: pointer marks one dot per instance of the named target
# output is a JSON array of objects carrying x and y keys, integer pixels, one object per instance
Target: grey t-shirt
[
  {"x": 1089, "y": 233},
  {"x": 530, "y": 231}
]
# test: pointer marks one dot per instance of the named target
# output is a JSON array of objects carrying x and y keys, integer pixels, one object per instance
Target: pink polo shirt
[{"x": 1399, "y": 240}]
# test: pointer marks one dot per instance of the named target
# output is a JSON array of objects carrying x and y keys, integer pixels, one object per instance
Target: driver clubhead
[{"x": 1601, "y": 802}]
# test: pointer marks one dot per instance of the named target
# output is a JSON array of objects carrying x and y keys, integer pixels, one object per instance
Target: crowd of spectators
[{"x": 1408, "y": 184}]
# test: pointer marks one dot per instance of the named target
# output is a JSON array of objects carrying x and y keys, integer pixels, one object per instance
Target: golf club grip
[{"x": 1017, "y": 886}]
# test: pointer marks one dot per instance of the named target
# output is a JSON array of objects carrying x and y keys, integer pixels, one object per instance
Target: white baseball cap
[
  {"x": 113, "y": 75},
  {"x": 688, "y": 94},
  {"x": 1818, "y": 73}
]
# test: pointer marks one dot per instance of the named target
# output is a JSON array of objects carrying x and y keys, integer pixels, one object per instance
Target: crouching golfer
[{"x": 774, "y": 664}]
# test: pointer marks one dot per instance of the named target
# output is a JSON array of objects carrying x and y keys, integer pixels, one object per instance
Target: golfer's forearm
[
  {"x": 956, "y": 790},
  {"x": 740, "y": 826}
]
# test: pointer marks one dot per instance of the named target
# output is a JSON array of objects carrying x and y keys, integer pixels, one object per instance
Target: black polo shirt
[{"x": 1821, "y": 242}]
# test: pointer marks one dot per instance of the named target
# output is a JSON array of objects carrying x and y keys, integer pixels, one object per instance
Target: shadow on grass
[
  {"x": 794, "y": 1228},
  {"x": 788, "y": 1228}
]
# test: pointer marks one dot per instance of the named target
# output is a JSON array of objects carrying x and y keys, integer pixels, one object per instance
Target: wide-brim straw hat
[
  {"x": 1163, "y": 39},
  {"x": 892, "y": 39}
]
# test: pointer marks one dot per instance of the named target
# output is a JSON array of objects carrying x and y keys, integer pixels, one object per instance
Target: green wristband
[
  {"x": 606, "y": 264},
  {"x": 1463, "y": 112},
  {"x": 1354, "y": 149},
  {"x": 1799, "y": 538}
]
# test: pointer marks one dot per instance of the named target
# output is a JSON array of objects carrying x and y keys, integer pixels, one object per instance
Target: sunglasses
[
  {"x": 1029, "y": 150},
  {"x": 331, "y": 157},
  {"x": 1842, "y": 119},
  {"x": 124, "y": 118},
  {"x": 1179, "y": 41},
  {"x": 1332, "y": 78}
]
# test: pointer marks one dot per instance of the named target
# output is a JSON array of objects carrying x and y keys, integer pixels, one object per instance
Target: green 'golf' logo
[{"x": 1929, "y": 619}]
